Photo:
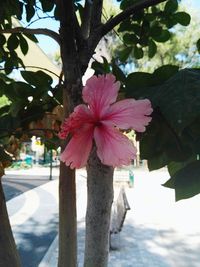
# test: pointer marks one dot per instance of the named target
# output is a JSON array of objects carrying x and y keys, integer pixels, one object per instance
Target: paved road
[
  {"x": 157, "y": 232},
  {"x": 15, "y": 184},
  {"x": 33, "y": 210}
]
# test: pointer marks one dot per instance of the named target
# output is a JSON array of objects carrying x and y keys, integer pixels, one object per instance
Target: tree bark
[
  {"x": 67, "y": 221},
  {"x": 100, "y": 197},
  {"x": 9, "y": 256}
]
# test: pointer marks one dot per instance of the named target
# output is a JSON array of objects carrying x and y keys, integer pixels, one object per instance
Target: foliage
[
  {"x": 180, "y": 49},
  {"x": 142, "y": 33},
  {"x": 173, "y": 136}
]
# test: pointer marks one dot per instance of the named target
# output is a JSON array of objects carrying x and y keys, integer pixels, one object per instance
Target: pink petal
[
  {"x": 113, "y": 148},
  {"x": 99, "y": 92},
  {"x": 76, "y": 120},
  {"x": 78, "y": 149},
  {"x": 129, "y": 113}
]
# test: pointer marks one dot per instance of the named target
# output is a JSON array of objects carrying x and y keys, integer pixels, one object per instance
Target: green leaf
[
  {"x": 31, "y": 37},
  {"x": 155, "y": 31},
  {"x": 163, "y": 37},
  {"x": 23, "y": 44},
  {"x": 38, "y": 78},
  {"x": 8, "y": 124},
  {"x": 182, "y": 18},
  {"x": 124, "y": 54},
  {"x": 157, "y": 162},
  {"x": 22, "y": 89},
  {"x": 136, "y": 29},
  {"x": 150, "y": 17},
  {"x": 130, "y": 38},
  {"x": 198, "y": 45},
  {"x": 12, "y": 42},
  {"x": 30, "y": 11},
  {"x": 9, "y": 66},
  {"x": 160, "y": 144},
  {"x": 118, "y": 72},
  {"x": 57, "y": 12},
  {"x": 142, "y": 84},
  {"x": 183, "y": 94},
  {"x": 47, "y": 5},
  {"x": 2, "y": 40},
  {"x": 173, "y": 167},
  {"x": 125, "y": 26},
  {"x": 98, "y": 67},
  {"x": 138, "y": 52},
  {"x": 101, "y": 68},
  {"x": 164, "y": 72},
  {"x": 171, "y": 6},
  {"x": 4, "y": 109},
  {"x": 2, "y": 87},
  {"x": 137, "y": 80},
  {"x": 152, "y": 48},
  {"x": 126, "y": 3},
  {"x": 186, "y": 181},
  {"x": 17, "y": 106}
]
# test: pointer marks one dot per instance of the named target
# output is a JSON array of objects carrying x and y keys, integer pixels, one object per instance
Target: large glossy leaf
[
  {"x": 186, "y": 181},
  {"x": 163, "y": 73},
  {"x": 160, "y": 144},
  {"x": 142, "y": 84},
  {"x": 173, "y": 167},
  {"x": 179, "y": 98}
]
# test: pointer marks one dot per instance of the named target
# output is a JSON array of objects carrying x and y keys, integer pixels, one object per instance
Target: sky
[{"x": 50, "y": 47}]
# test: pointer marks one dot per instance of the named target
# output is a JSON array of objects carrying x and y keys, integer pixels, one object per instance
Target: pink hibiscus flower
[{"x": 100, "y": 121}]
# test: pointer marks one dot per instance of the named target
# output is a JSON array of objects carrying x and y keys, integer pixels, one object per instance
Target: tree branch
[
  {"x": 97, "y": 6},
  {"x": 108, "y": 26},
  {"x": 85, "y": 26},
  {"x": 44, "y": 31}
]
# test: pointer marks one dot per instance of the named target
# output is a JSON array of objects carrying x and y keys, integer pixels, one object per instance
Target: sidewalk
[{"x": 157, "y": 231}]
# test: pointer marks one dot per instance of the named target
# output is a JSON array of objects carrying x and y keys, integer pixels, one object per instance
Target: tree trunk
[
  {"x": 9, "y": 256},
  {"x": 67, "y": 221},
  {"x": 100, "y": 197}
]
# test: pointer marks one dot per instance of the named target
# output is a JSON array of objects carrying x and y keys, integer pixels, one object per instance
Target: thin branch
[
  {"x": 108, "y": 26},
  {"x": 117, "y": 34},
  {"x": 34, "y": 67},
  {"x": 97, "y": 7},
  {"x": 43, "y": 31},
  {"x": 85, "y": 26},
  {"x": 39, "y": 18}
]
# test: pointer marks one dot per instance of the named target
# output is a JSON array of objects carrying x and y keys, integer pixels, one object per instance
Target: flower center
[{"x": 97, "y": 123}]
